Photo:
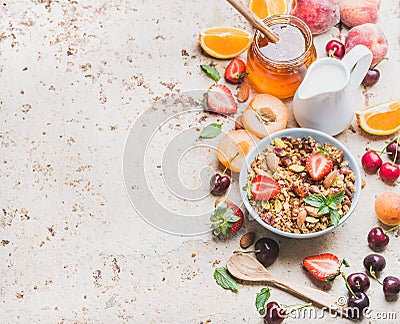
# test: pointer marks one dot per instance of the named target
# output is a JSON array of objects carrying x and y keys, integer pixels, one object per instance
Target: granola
[{"x": 284, "y": 160}]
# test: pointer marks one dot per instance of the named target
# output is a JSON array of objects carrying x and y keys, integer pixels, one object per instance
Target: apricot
[
  {"x": 319, "y": 15},
  {"x": 358, "y": 12},
  {"x": 234, "y": 146},
  {"x": 387, "y": 208},
  {"x": 371, "y": 36},
  {"x": 265, "y": 115}
]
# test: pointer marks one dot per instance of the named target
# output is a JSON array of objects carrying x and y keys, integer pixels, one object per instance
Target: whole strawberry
[
  {"x": 235, "y": 71},
  {"x": 227, "y": 218}
]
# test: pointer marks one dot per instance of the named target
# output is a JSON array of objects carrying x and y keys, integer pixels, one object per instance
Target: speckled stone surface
[{"x": 74, "y": 77}]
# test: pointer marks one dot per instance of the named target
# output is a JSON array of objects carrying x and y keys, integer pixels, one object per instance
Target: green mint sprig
[
  {"x": 261, "y": 298},
  {"x": 224, "y": 279},
  {"x": 327, "y": 205}
]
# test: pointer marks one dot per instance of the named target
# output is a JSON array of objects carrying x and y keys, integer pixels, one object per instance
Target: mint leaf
[
  {"x": 224, "y": 279},
  {"x": 211, "y": 72},
  {"x": 323, "y": 209},
  {"x": 315, "y": 200},
  {"x": 261, "y": 299},
  {"x": 335, "y": 217},
  {"x": 211, "y": 131},
  {"x": 346, "y": 264},
  {"x": 334, "y": 200}
]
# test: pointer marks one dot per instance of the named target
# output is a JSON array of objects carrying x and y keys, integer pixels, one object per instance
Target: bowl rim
[{"x": 298, "y": 132}]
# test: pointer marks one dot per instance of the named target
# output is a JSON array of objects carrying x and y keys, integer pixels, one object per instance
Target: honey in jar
[{"x": 278, "y": 68}]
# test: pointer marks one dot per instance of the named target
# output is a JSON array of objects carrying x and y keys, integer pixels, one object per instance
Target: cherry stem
[
  {"x": 331, "y": 53},
  {"x": 384, "y": 59},
  {"x": 373, "y": 274},
  {"x": 348, "y": 286},
  {"x": 230, "y": 161},
  {"x": 383, "y": 150},
  {"x": 397, "y": 148},
  {"x": 240, "y": 251},
  {"x": 392, "y": 229},
  {"x": 300, "y": 306}
]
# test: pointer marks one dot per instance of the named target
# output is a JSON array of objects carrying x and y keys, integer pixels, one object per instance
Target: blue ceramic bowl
[{"x": 294, "y": 133}]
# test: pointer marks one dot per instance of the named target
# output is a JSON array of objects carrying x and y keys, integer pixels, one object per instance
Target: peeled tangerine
[
  {"x": 265, "y": 115},
  {"x": 387, "y": 208},
  {"x": 234, "y": 146}
]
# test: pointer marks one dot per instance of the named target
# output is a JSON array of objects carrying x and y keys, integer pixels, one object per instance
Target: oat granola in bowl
[{"x": 300, "y": 183}]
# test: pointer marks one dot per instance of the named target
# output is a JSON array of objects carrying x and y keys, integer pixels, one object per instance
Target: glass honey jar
[{"x": 279, "y": 68}]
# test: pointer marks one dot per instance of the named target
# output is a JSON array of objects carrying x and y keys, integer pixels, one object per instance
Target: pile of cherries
[
  {"x": 357, "y": 283},
  {"x": 388, "y": 171}
]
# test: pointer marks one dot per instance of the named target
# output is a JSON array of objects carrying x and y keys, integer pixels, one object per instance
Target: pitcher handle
[{"x": 357, "y": 61}]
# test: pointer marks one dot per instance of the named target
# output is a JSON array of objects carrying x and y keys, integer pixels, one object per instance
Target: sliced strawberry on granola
[
  {"x": 318, "y": 165},
  {"x": 264, "y": 188}
]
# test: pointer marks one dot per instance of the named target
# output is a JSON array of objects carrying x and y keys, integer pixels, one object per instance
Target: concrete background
[{"x": 74, "y": 77}]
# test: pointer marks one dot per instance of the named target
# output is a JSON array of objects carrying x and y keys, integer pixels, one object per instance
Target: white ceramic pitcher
[{"x": 325, "y": 99}]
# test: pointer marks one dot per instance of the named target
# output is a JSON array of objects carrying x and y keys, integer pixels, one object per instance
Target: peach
[
  {"x": 371, "y": 36},
  {"x": 319, "y": 15},
  {"x": 358, "y": 12}
]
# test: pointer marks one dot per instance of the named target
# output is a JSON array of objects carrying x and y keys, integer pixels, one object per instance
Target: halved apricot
[
  {"x": 266, "y": 114},
  {"x": 234, "y": 146}
]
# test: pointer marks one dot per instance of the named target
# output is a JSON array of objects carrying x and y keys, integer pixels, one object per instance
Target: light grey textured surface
[{"x": 74, "y": 77}]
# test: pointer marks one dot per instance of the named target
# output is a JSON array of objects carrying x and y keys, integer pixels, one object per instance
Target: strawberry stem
[
  {"x": 384, "y": 59},
  {"x": 392, "y": 229},
  {"x": 373, "y": 274},
  {"x": 348, "y": 286},
  {"x": 230, "y": 161}
]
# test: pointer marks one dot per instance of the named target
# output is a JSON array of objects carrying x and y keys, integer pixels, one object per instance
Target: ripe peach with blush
[
  {"x": 358, "y": 12},
  {"x": 319, "y": 15},
  {"x": 371, "y": 36}
]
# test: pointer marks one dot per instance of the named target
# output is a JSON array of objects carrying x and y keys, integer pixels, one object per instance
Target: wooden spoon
[
  {"x": 245, "y": 267},
  {"x": 254, "y": 20}
]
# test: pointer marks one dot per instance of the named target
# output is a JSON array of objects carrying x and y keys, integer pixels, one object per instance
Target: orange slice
[
  {"x": 224, "y": 42},
  {"x": 265, "y": 115},
  {"x": 235, "y": 143},
  {"x": 380, "y": 119},
  {"x": 265, "y": 8}
]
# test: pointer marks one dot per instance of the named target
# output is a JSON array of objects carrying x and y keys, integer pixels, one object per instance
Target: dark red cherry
[
  {"x": 219, "y": 184},
  {"x": 357, "y": 304},
  {"x": 377, "y": 239},
  {"x": 274, "y": 314},
  {"x": 335, "y": 48},
  {"x": 371, "y": 78},
  {"x": 374, "y": 262},
  {"x": 358, "y": 282},
  {"x": 391, "y": 287},
  {"x": 389, "y": 172},
  {"x": 371, "y": 161}
]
